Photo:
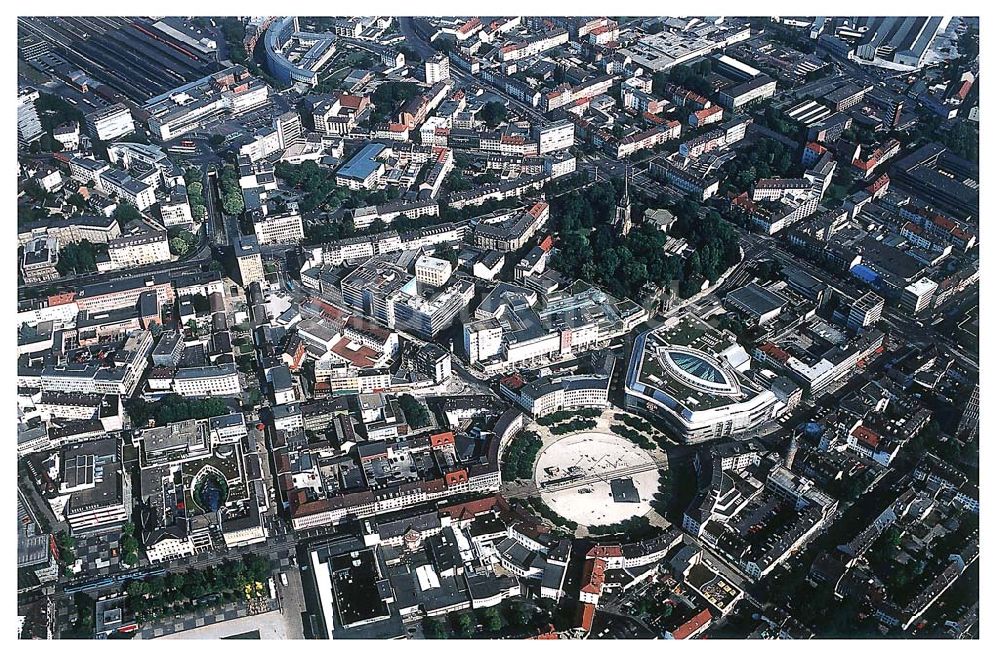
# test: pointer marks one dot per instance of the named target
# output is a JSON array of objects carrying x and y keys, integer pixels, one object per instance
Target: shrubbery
[
  {"x": 577, "y": 425},
  {"x": 519, "y": 462},
  {"x": 560, "y": 416}
]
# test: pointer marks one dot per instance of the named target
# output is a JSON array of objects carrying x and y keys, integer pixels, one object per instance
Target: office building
[
  {"x": 284, "y": 228},
  {"x": 41, "y": 256},
  {"x": 483, "y": 339},
  {"x": 740, "y": 95},
  {"x": 96, "y": 488},
  {"x": 436, "y": 69},
  {"x": 110, "y": 122},
  {"x": 289, "y": 129},
  {"x": 29, "y": 127},
  {"x": 175, "y": 209},
  {"x": 141, "y": 244},
  {"x": 554, "y": 136},
  {"x": 917, "y": 296},
  {"x": 432, "y": 271},
  {"x": 248, "y": 260},
  {"x": 294, "y": 56},
  {"x": 118, "y": 183},
  {"x": 208, "y": 381},
  {"x": 865, "y": 311},
  {"x": 694, "y": 378}
]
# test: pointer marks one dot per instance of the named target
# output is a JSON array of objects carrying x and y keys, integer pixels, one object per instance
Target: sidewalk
[{"x": 195, "y": 620}]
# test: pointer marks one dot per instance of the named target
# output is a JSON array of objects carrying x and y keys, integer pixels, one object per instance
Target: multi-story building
[
  {"x": 865, "y": 311},
  {"x": 96, "y": 229},
  {"x": 510, "y": 232},
  {"x": 554, "y": 136},
  {"x": 693, "y": 378},
  {"x": 208, "y": 381},
  {"x": 432, "y": 271},
  {"x": 289, "y": 129},
  {"x": 248, "y": 260},
  {"x": 120, "y": 375},
  {"x": 436, "y": 69},
  {"x": 41, "y": 256},
  {"x": 227, "y": 93},
  {"x": 483, "y": 339},
  {"x": 918, "y": 295},
  {"x": 120, "y": 184},
  {"x": 364, "y": 170},
  {"x": 175, "y": 209},
  {"x": 744, "y": 93},
  {"x": 553, "y": 393},
  {"x": 426, "y": 314},
  {"x": 565, "y": 94},
  {"x": 122, "y": 293},
  {"x": 110, "y": 122},
  {"x": 338, "y": 115},
  {"x": 141, "y": 244},
  {"x": 686, "y": 179},
  {"x": 182, "y": 468},
  {"x": 434, "y": 362},
  {"x": 29, "y": 127},
  {"x": 87, "y": 170},
  {"x": 819, "y": 355},
  {"x": 283, "y": 228},
  {"x": 95, "y": 487},
  {"x": 533, "y": 46}
]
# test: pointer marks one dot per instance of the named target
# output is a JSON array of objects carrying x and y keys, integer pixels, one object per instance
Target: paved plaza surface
[
  {"x": 269, "y": 626},
  {"x": 574, "y": 475}
]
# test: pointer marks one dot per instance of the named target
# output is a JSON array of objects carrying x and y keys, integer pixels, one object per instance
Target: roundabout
[{"x": 596, "y": 478}]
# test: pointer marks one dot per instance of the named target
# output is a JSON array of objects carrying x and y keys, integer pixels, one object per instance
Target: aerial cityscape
[{"x": 492, "y": 327}]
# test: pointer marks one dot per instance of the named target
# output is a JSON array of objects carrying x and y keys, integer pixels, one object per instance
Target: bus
[{"x": 184, "y": 146}]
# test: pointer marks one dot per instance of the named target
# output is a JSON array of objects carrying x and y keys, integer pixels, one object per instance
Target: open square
[{"x": 575, "y": 474}]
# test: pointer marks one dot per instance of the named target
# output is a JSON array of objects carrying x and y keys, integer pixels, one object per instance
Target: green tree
[
  {"x": 76, "y": 200},
  {"x": 176, "y": 580},
  {"x": 416, "y": 414},
  {"x": 491, "y": 619},
  {"x": 435, "y": 628},
  {"x": 494, "y": 113},
  {"x": 178, "y": 246},
  {"x": 136, "y": 589},
  {"x": 464, "y": 624},
  {"x": 125, "y": 212},
  {"x": 232, "y": 203}
]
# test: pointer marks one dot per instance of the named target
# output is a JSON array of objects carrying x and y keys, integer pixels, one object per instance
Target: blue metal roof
[
  {"x": 363, "y": 163},
  {"x": 865, "y": 273}
]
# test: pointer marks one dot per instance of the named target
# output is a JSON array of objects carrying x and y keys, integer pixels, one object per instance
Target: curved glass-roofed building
[{"x": 688, "y": 375}]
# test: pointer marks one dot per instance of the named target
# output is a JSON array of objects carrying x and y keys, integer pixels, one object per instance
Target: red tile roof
[
  {"x": 593, "y": 576},
  {"x": 469, "y": 510},
  {"x": 865, "y": 435},
  {"x": 587, "y": 612},
  {"x": 605, "y": 551},
  {"x": 695, "y": 624}
]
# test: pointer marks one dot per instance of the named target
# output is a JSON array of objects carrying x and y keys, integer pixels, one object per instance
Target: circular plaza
[{"x": 596, "y": 478}]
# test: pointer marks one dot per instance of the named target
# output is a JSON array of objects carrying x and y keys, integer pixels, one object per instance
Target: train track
[{"x": 604, "y": 476}]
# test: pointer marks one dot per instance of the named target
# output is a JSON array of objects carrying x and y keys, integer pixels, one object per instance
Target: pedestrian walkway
[{"x": 195, "y": 620}]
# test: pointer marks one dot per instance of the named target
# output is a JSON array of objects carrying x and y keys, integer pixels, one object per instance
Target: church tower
[{"x": 623, "y": 211}]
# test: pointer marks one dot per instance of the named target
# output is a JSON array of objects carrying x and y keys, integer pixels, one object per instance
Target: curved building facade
[
  {"x": 689, "y": 376},
  {"x": 315, "y": 49}
]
